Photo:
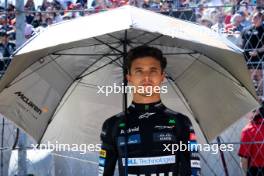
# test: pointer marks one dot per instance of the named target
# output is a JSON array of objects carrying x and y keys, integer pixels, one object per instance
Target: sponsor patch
[
  {"x": 192, "y": 136},
  {"x": 101, "y": 162},
  {"x": 122, "y": 125},
  {"x": 146, "y": 115},
  {"x": 132, "y": 139},
  {"x": 159, "y": 137},
  {"x": 195, "y": 163},
  {"x": 130, "y": 130},
  {"x": 102, "y": 153},
  {"x": 172, "y": 121},
  {"x": 194, "y": 154},
  {"x": 100, "y": 171},
  {"x": 103, "y": 133},
  {"x": 146, "y": 161},
  {"x": 163, "y": 127}
]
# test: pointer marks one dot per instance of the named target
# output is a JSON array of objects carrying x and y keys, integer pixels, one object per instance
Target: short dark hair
[{"x": 146, "y": 51}]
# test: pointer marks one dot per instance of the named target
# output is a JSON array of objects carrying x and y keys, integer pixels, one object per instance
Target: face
[
  {"x": 145, "y": 72},
  {"x": 5, "y": 39},
  {"x": 256, "y": 20}
]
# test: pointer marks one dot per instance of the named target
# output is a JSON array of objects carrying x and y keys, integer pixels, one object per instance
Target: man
[
  {"x": 6, "y": 47},
  {"x": 253, "y": 40},
  {"x": 251, "y": 150},
  {"x": 148, "y": 127}
]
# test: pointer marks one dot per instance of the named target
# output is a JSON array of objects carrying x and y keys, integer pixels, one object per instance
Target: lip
[{"x": 147, "y": 85}]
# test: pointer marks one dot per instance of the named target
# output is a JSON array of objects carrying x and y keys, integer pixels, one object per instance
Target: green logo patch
[{"x": 172, "y": 121}]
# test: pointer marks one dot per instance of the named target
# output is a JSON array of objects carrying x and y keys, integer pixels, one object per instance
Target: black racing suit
[{"x": 151, "y": 131}]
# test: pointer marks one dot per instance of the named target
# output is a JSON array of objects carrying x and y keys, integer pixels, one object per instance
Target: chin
[{"x": 146, "y": 95}]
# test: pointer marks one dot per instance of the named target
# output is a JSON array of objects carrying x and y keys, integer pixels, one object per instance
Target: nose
[{"x": 146, "y": 76}]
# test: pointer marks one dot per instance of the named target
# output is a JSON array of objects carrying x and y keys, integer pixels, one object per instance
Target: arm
[
  {"x": 108, "y": 153},
  {"x": 244, "y": 164},
  {"x": 244, "y": 149}
]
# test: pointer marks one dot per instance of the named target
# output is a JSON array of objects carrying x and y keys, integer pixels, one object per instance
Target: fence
[{"x": 220, "y": 163}]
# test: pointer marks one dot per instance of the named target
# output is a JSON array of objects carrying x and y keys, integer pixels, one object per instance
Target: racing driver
[{"x": 137, "y": 140}]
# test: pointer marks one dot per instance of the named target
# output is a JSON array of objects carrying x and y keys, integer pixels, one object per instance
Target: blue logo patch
[
  {"x": 101, "y": 162},
  {"x": 132, "y": 139}
]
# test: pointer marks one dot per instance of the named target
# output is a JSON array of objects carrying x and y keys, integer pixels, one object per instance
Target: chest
[{"x": 147, "y": 134}]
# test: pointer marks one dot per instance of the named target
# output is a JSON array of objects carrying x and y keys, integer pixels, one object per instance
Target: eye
[{"x": 138, "y": 71}]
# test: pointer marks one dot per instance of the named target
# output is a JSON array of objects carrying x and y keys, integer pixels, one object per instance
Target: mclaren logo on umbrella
[{"x": 29, "y": 102}]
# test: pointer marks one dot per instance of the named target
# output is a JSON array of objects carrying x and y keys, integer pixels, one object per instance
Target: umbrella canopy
[{"x": 50, "y": 89}]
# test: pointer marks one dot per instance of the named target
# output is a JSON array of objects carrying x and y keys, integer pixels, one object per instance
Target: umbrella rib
[
  {"x": 33, "y": 71},
  {"x": 197, "y": 120},
  {"x": 108, "y": 45},
  {"x": 88, "y": 85},
  {"x": 217, "y": 70},
  {"x": 190, "y": 51},
  {"x": 185, "y": 69},
  {"x": 60, "y": 106},
  {"x": 171, "y": 54},
  {"x": 115, "y": 61},
  {"x": 208, "y": 165},
  {"x": 230, "y": 153},
  {"x": 96, "y": 61},
  {"x": 146, "y": 43},
  {"x": 97, "y": 68},
  {"x": 74, "y": 54},
  {"x": 115, "y": 37},
  {"x": 81, "y": 47},
  {"x": 140, "y": 35},
  {"x": 62, "y": 68},
  {"x": 233, "y": 76},
  {"x": 185, "y": 104}
]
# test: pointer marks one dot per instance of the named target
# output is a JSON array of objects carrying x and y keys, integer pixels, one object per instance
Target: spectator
[
  {"x": 251, "y": 150},
  {"x": 45, "y": 5},
  {"x": 146, "y": 4},
  {"x": 4, "y": 26},
  {"x": 6, "y": 47},
  {"x": 206, "y": 21},
  {"x": 235, "y": 25},
  {"x": 253, "y": 41},
  {"x": 244, "y": 22},
  {"x": 29, "y": 31},
  {"x": 37, "y": 21},
  {"x": 219, "y": 27},
  {"x": 30, "y": 5}
]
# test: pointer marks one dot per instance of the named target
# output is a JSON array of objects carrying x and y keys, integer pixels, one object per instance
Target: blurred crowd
[{"x": 223, "y": 16}]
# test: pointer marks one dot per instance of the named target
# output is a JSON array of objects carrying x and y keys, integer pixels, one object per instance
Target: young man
[
  {"x": 149, "y": 127},
  {"x": 251, "y": 150}
]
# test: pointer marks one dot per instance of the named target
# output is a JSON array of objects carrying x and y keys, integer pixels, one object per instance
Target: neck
[{"x": 146, "y": 99}]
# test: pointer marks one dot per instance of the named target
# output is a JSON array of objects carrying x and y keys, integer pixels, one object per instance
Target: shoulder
[
  {"x": 246, "y": 29},
  {"x": 183, "y": 119},
  {"x": 248, "y": 129},
  {"x": 109, "y": 127},
  {"x": 113, "y": 120}
]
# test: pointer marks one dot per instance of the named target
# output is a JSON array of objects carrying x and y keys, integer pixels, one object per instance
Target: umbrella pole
[
  {"x": 222, "y": 158},
  {"x": 125, "y": 97}
]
